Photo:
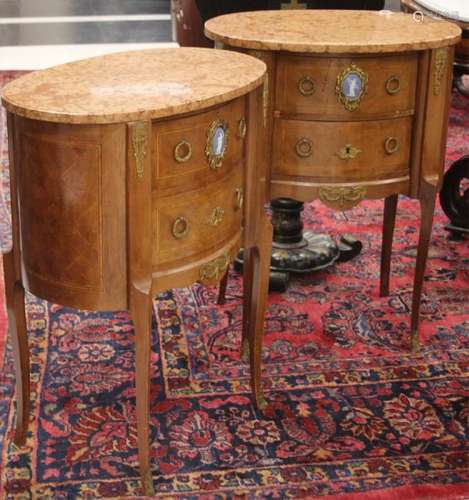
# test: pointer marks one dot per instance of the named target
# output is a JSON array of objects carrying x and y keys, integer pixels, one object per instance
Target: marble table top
[
  {"x": 137, "y": 85},
  {"x": 452, "y": 9},
  {"x": 331, "y": 31}
]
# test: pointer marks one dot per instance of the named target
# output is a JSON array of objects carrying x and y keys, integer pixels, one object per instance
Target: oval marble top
[
  {"x": 332, "y": 31},
  {"x": 132, "y": 86}
]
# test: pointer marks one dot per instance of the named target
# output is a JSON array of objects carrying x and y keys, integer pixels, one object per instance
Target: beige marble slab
[
  {"x": 331, "y": 31},
  {"x": 133, "y": 86}
]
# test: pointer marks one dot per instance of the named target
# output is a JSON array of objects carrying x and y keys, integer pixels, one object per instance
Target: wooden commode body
[
  {"x": 355, "y": 107},
  {"x": 130, "y": 174}
]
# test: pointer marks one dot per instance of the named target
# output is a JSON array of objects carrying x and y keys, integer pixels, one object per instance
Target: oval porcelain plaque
[
  {"x": 218, "y": 141},
  {"x": 351, "y": 87}
]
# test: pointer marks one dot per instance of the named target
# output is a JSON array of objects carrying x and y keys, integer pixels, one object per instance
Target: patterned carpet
[{"x": 349, "y": 410}]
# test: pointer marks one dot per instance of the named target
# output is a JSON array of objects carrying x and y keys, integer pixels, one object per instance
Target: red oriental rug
[{"x": 350, "y": 410}]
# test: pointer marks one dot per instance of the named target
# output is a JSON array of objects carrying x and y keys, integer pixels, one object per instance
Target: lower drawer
[
  {"x": 342, "y": 152},
  {"x": 188, "y": 225}
]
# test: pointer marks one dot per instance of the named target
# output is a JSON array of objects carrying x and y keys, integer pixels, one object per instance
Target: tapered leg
[
  {"x": 247, "y": 294},
  {"x": 14, "y": 293},
  {"x": 140, "y": 309},
  {"x": 222, "y": 289},
  {"x": 427, "y": 207},
  {"x": 389, "y": 221},
  {"x": 258, "y": 304}
]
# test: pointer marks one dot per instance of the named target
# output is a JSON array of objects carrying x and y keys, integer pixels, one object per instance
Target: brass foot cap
[{"x": 261, "y": 401}]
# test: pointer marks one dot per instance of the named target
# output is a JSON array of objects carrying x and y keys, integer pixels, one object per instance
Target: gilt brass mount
[
  {"x": 216, "y": 216},
  {"x": 242, "y": 128},
  {"x": 304, "y": 147},
  {"x": 441, "y": 58},
  {"x": 348, "y": 152},
  {"x": 139, "y": 144},
  {"x": 342, "y": 197},
  {"x": 212, "y": 272},
  {"x": 239, "y": 199}
]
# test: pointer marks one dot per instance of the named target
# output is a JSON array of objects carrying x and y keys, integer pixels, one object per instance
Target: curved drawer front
[
  {"x": 192, "y": 151},
  {"x": 342, "y": 152},
  {"x": 194, "y": 223},
  {"x": 347, "y": 88}
]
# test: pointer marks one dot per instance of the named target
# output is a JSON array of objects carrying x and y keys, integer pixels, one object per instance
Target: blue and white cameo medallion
[
  {"x": 351, "y": 87},
  {"x": 217, "y": 142}
]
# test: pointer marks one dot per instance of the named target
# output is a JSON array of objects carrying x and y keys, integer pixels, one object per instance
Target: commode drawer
[
  {"x": 189, "y": 224},
  {"x": 346, "y": 88},
  {"x": 196, "y": 150},
  {"x": 341, "y": 152}
]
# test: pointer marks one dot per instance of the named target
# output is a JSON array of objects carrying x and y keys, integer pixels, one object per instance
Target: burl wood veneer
[
  {"x": 355, "y": 107},
  {"x": 132, "y": 173}
]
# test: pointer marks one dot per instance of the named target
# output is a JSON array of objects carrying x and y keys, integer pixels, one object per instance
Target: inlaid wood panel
[
  {"x": 179, "y": 148},
  {"x": 71, "y": 190},
  {"x": 342, "y": 152},
  {"x": 307, "y": 85},
  {"x": 189, "y": 224}
]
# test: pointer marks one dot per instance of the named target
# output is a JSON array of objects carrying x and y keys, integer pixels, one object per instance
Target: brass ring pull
[
  {"x": 239, "y": 199},
  {"x": 306, "y": 86},
  {"x": 180, "y": 228},
  {"x": 182, "y": 152},
  {"x": 391, "y": 145},
  {"x": 304, "y": 148},
  {"x": 393, "y": 85},
  {"x": 242, "y": 128}
]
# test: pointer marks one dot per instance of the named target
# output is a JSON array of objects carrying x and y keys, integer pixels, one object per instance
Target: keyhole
[{"x": 348, "y": 149}]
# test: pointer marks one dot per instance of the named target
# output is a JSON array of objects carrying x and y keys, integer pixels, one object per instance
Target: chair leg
[
  {"x": 141, "y": 309},
  {"x": 222, "y": 289},
  {"x": 389, "y": 222},
  {"x": 427, "y": 208},
  {"x": 260, "y": 264},
  {"x": 14, "y": 293}
]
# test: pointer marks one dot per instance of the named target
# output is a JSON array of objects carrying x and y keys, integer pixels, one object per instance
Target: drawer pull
[
  {"x": 391, "y": 145},
  {"x": 348, "y": 152},
  {"x": 239, "y": 199},
  {"x": 217, "y": 142},
  {"x": 306, "y": 86},
  {"x": 393, "y": 85},
  {"x": 242, "y": 128},
  {"x": 216, "y": 217},
  {"x": 212, "y": 272},
  {"x": 180, "y": 228},
  {"x": 304, "y": 148},
  {"x": 182, "y": 152}
]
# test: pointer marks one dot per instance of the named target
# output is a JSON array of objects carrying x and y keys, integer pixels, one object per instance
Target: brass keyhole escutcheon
[
  {"x": 304, "y": 147},
  {"x": 393, "y": 85},
  {"x": 306, "y": 86},
  {"x": 239, "y": 199},
  {"x": 391, "y": 145},
  {"x": 242, "y": 128},
  {"x": 216, "y": 216},
  {"x": 182, "y": 152},
  {"x": 180, "y": 228}
]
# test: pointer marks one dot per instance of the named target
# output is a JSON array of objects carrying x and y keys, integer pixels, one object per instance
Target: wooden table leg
[
  {"x": 259, "y": 270},
  {"x": 14, "y": 293},
  {"x": 427, "y": 208},
  {"x": 141, "y": 310},
  {"x": 389, "y": 222}
]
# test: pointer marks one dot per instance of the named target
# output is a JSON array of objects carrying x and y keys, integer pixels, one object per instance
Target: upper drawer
[
  {"x": 342, "y": 152},
  {"x": 191, "y": 223},
  {"x": 346, "y": 88},
  {"x": 192, "y": 151}
]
